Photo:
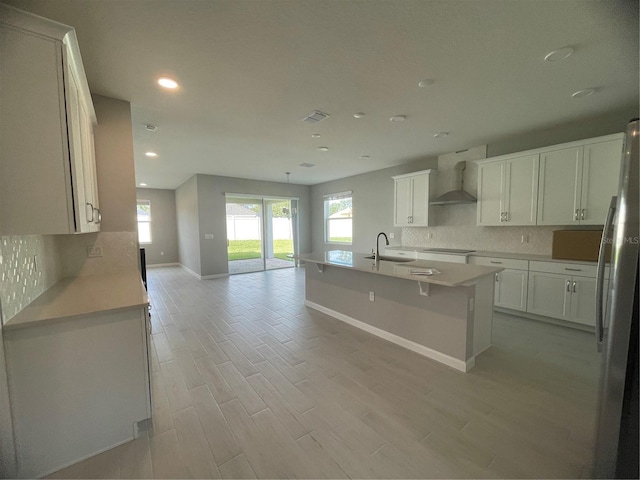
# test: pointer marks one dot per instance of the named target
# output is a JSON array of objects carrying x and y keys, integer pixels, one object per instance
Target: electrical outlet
[
  {"x": 392, "y": 235},
  {"x": 161, "y": 254},
  {"x": 372, "y": 296},
  {"x": 94, "y": 251},
  {"x": 525, "y": 239},
  {"x": 208, "y": 236},
  {"x": 430, "y": 236}
]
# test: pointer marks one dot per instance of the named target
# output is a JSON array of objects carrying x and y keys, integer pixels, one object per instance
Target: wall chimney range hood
[{"x": 457, "y": 195}]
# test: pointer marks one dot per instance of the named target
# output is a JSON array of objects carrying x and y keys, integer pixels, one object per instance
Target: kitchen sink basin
[{"x": 392, "y": 259}]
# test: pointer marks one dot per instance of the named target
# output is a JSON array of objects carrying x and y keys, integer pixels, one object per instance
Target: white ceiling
[{"x": 250, "y": 70}]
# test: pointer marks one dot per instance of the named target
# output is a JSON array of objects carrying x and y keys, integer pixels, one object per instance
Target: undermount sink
[{"x": 391, "y": 259}]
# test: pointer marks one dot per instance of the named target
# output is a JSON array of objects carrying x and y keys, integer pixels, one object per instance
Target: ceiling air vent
[
  {"x": 315, "y": 117},
  {"x": 307, "y": 165}
]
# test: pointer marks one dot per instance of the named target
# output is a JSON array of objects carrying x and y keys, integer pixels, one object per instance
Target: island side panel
[
  {"x": 482, "y": 315},
  {"x": 438, "y": 321}
]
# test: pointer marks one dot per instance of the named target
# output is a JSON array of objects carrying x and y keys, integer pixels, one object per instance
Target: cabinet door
[
  {"x": 420, "y": 201},
  {"x": 560, "y": 182},
  {"x": 511, "y": 289},
  {"x": 92, "y": 204},
  {"x": 402, "y": 202},
  {"x": 521, "y": 190},
  {"x": 600, "y": 178},
  {"x": 549, "y": 295},
  {"x": 490, "y": 193},
  {"x": 583, "y": 301}
]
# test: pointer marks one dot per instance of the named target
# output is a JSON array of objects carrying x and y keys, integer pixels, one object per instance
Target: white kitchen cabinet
[
  {"x": 577, "y": 182},
  {"x": 47, "y": 162},
  {"x": 441, "y": 257},
  {"x": 507, "y": 191},
  {"x": 567, "y": 296},
  {"x": 411, "y": 199},
  {"x": 511, "y": 285}
]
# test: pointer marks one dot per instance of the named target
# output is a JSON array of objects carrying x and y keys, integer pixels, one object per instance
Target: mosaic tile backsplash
[
  {"x": 455, "y": 227},
  {"x": 28, "y": 266}
]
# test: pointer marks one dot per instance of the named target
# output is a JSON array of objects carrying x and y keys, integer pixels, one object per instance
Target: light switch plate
[
  {"x": 94, "y": 251},
  {"x": 208, "y": 236}
]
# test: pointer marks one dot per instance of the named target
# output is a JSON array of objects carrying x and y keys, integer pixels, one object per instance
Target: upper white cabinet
[
  {"x": 568, "y": 184},
  {"x": 47, "y": 160},
  {"x": 577, "y": 183},
  {"x": 411, "y": 199},
  {"x": 507, "y": 191}
]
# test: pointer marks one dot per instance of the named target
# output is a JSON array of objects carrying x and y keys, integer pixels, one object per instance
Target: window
[
  {"x": 338, "y": 218},
  {"x": 144, "y": 221}
]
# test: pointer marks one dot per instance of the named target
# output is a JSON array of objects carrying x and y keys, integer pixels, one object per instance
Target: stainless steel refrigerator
[{"x": 616, "y": 449}]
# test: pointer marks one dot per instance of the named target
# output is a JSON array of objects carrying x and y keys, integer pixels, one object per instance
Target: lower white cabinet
[
  {"x": 77, "y": 385},
  {"x": 511, "y": 285},
  {"x": 567, "y": 296}
]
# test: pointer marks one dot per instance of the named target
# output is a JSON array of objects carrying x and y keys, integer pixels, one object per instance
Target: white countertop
[
  {"x": 483, "y": 253},
  {"x": 451, "y": 274},
  {"x": 73, "y": 296}
]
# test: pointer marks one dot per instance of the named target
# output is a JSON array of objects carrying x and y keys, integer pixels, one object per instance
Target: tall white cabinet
[
  {"x": 411, "y": 199},
  {"x": 47, "y": 162}
]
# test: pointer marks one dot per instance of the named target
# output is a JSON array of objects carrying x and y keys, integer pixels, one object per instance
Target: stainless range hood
[{"x": 457, "y": 195}]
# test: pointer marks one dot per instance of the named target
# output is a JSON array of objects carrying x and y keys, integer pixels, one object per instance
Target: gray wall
[
  {"x": 164, "y": 232},
  {"x": 455, "y": 225},
  {"x": 114, "y": 165},
  {"x": 372, "y": 206},
  {"x": 188, "y": 225},
  {"x": 211, "y": 191}
]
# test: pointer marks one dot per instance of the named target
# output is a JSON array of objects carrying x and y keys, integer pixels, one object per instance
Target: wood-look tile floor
[{"x": 249, "y": 383}]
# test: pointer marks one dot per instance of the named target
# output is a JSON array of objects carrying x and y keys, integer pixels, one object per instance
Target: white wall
[{"x": 164, "y": 231}]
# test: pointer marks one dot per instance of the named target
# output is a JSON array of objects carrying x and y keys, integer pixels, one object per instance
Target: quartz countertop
[
  {"x": 484, "y": 253},
  {"x": 451, "y": 274},
  {"x": 73, "y": 296}
]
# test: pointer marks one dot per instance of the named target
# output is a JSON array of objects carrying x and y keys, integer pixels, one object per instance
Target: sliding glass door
[{"x": 261, "y": 233}]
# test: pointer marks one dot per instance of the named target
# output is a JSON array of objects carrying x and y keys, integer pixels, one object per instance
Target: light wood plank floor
[{"x": 249, "y": 383}]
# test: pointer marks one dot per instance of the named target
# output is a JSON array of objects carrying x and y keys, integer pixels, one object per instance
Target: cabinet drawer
[
  {"x": 442, "y": 257},
  {"x": 512, "y": 263},
  {"x": 574, "y": 269},
  {"x": 400, "y": 253}
]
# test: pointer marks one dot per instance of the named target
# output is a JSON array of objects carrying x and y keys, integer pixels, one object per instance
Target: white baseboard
[
  {"x": 203, "y": 277},
  {"x": 159, "y": 265},
  {"x": 393, "y": 338}
]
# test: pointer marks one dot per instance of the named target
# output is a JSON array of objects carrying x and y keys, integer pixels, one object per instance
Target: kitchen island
[{"x": 441, "y": 310}]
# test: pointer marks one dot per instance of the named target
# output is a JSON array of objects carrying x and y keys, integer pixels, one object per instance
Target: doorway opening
[{"x": 262, "y": 232}]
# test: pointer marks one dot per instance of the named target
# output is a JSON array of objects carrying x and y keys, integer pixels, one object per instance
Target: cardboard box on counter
[{"x": 577, "y": 245}]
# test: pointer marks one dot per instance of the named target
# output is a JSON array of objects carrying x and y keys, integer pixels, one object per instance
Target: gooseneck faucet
[{"x": 378, "y": 242}]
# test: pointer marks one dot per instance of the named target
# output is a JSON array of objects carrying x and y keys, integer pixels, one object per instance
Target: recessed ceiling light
[
  {"x": 143, "y": 184},
  {"x": 323, "y": 149},
  {"x": 558, "y": 55},
  {"x": 425, "y": 83},
  {"x": 441, "y": 135},
  {"x": 150, "y": 127},
  {"x": 358, "y": 115},
  {"x": 315, "y": 135},
  {"x": 151, "y": 154},
  {"x": 398, "y": 118},
  {"x": 167, "y": 82},
  {"x": 583, "y": 93}
]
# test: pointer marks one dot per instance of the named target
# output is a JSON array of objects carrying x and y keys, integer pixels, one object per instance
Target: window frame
[
  {"x": 142, "y": 201},
  {"x": 326, "y": 220}
]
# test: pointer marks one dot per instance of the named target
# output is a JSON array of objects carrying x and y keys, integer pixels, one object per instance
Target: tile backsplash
[
  {"x": 455, "y": 227},
  {"x": 31, "y": 264},
  {"x": 28, "y": 266}
]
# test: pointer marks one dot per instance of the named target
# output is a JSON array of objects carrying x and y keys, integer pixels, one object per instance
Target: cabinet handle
[
  {"x": 573, "y": 269},
  {"x": 568, "y": 286},
  {"x": 506, "y": 216},
  {"x": 99, "y": 216},
  {"x": 583, "y": 213},
  {"x": 92, "y": 209},
  {"x": 497, "y": 280},
  {"x": 493, "y": 261},
  {"x": 574, "y": 287},
  {"x": 575, "y": 214}
]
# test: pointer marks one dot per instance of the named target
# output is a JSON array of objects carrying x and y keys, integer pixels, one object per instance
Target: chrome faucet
[{"x": 377, "y": 256}]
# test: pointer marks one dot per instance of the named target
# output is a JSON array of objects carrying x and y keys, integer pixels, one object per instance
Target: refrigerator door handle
[{"x": 600, "y": 274}]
